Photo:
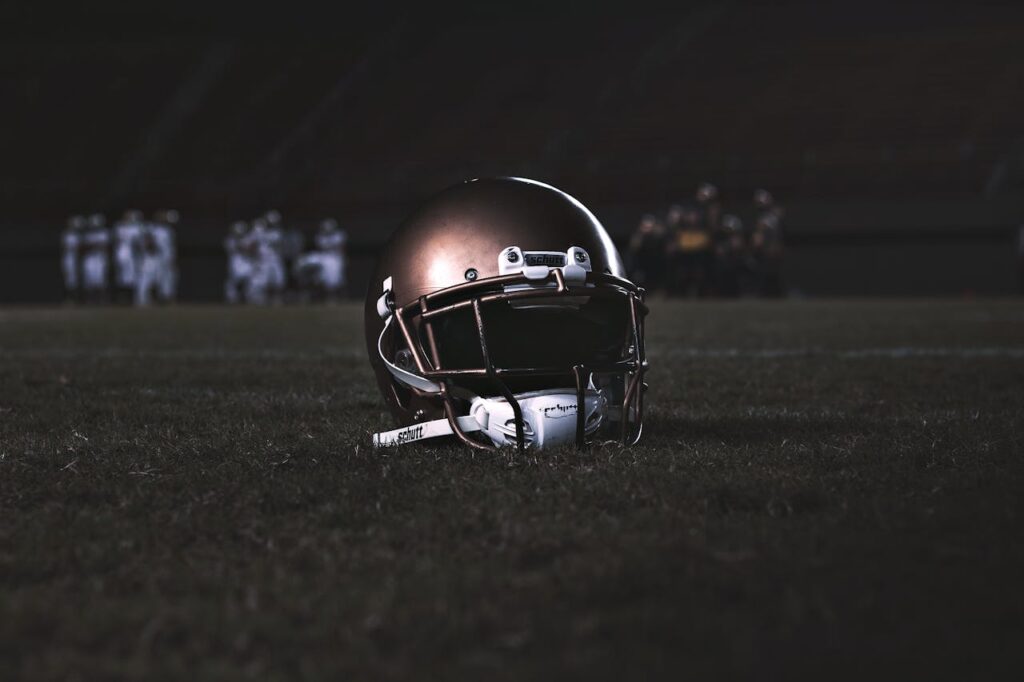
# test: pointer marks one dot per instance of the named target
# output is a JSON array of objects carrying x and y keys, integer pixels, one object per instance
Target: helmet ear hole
[{"x": 403, "y": 359}]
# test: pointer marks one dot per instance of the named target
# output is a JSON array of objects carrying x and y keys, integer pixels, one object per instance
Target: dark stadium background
[
  {"x": 828, "y": 486},
  {"x": 891, "y": 133}
]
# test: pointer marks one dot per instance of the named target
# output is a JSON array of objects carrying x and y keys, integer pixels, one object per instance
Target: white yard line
[
  {"x": 896, "y": 353},
  {"x": 181, "y": 354},
  {"x": 656, "y": 350}
]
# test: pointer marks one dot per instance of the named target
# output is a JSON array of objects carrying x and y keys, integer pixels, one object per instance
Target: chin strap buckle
[{"x": 386, "y": 302}]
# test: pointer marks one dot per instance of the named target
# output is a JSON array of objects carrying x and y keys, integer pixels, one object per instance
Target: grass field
[{"x": 825, "y": 489}]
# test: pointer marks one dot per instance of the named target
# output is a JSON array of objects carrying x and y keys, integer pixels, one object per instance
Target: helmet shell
[{"x": 458, "y": 235}]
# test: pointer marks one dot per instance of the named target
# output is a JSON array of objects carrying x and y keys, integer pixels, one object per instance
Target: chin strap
[
  {"x": 417, "y": 432},
  {"x": 549, "y": 420}
]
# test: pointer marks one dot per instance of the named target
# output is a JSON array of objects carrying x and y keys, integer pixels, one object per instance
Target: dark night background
[
  {"x": 828, "y": 486},
  {"x": 892, "y": 133}
]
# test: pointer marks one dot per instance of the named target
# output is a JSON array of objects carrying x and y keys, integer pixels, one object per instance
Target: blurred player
[
  {"x": 239, "y": 262},
  {"x": 70, "y": 241},
  {"x": 689, "y": 253},
  {"x": 729, "y": 256},
  {"x": 162, "y": 231},
  {"x": 273, "y": 265},
  {"x": 331, "y": 242},
  {"x": 766, "y": 206},
  {"x": 647, "y": 253},
  {"x": 256, "y": 248},
  {"x": 127, "y": 234},
  {"x": 321, "y": 272},
  {"x": 766, "y": 244},
  {"x": 95, "y": 260},
  {"x": 710, "y": 210},
  {"x": 150, "y": 265},
  {"x": 710, "y": 207},
  {"x": 766, "y": 253},
  {"x": 764, "y": 202}
]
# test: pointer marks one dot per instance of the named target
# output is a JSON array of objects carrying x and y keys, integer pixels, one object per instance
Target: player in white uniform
[
  {"x": 95, "y": 260},
  {"x": 150, "y": 266},
  {"x": 322, "y": 271},
  {"x": 273, "y": 265},
  {"x": 239, "y": 263},
  {"x": 331, "y": 242},
  {"x": 127, "y": 234},
  {"x": 255, "y": 245},
  {"x": 163, "y": 227},
  {"x": 70, "y": 241}
]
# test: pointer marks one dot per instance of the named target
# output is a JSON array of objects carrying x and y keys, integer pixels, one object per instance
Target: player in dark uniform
[
  {"x": 689, "y": 253},
  {"x": 709, "y": 205},
  {"x": 710, "y": 215},
  {"x": 765, "y": 205},
  {"x": 729, "y": 256},
  {"x": 647, "y": 254},
  {"x": 767, "y": 251},
  {"x": 766, "y": 245}
]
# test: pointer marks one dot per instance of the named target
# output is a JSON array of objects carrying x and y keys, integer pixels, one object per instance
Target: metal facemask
[{"x": 544, "y": 354}]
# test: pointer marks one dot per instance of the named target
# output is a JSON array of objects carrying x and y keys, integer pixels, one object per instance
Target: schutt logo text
[
  {"x": 556, "y": 411},
  {"x": 411, "y": 433}
]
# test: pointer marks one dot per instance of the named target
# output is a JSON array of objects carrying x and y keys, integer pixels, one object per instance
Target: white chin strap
[{"x": 549, "y": 419}]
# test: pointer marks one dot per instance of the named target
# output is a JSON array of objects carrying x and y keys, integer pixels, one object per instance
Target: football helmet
[{"x": 500, "y": 313}]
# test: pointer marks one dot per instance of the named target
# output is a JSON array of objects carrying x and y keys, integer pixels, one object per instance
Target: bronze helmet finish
[{"x": 443, "y": 261}]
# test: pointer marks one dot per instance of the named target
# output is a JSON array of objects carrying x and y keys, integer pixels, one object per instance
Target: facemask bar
[{"x": 494, "y": 290}]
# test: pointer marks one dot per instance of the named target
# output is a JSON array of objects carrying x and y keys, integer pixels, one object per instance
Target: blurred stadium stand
[{"x": 889, "y": 139}]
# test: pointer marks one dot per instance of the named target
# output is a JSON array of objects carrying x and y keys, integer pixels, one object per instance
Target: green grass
[{"x": 825, "y": 489}]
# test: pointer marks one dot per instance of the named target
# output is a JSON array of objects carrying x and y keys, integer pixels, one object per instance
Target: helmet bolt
[
  {"x": 471, "y": 274},
  {"x": 581, "y": 257},
  {"x": 512, "y": 257}
]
